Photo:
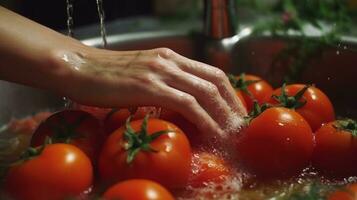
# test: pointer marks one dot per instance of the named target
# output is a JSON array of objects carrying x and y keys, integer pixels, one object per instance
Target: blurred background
[{"x": 52, "y": 13}]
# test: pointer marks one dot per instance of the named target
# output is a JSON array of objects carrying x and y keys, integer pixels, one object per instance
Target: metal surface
[
  {"x": 220, "y": 18},
  {"x": 334, "y": 71}
]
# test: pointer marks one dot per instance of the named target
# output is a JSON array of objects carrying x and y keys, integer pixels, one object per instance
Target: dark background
[{"x": 52, "y": 13}]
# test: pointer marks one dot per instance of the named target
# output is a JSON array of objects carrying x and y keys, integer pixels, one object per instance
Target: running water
[
  {"x": 101, "y": 19},
  {"x": 69, "y": 4}
]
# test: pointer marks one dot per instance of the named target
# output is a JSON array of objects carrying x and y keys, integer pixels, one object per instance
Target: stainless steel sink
[{"x": 334, "y": 71}]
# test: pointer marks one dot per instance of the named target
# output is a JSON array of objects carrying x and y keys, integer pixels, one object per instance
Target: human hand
[{"x": 157, "y": 77}]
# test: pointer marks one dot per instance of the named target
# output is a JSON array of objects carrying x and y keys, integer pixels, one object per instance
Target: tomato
[
  {"x": 137, "y": 189},
  {"x": 318, "y": 108},
  {"x": 74, "y": 126},
  {"x": 208, "y": 168},
  {"x": 336, "y": 148},
  {"x": 141, "y": 153},
  {"x": 240, "y": 96},
  {"x": 276, "y": 143},
  {"x": 58, "y": 172},
  {"x": 251, "y": 88},
  {"x": 347, "y": 193},
  {"x": 117, "y": 117},
  {"x": 186, "y": 126}
]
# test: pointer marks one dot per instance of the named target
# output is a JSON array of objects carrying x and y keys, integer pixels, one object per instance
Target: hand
[
  {"x": 43, "y": 58},
  {"x": 157, "y": 77}
]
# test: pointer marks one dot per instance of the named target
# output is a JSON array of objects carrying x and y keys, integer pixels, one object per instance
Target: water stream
[
  {"x": 69, "y": 6},
  {"x": 101, "y": 20}
]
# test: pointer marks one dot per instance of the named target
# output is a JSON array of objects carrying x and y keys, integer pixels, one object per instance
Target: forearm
[{"x": 29, "y": 51}]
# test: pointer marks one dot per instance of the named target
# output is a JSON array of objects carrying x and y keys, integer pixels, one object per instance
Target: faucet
[
  {"x": 220, "y": 37},
  {"x": 219, "y": 18}
]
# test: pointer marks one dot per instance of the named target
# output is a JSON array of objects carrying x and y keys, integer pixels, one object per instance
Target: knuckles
[
  {"x": 155, "y": 64},
  {"x": 220, "y": 75},
  {"x": 164, "y": 52},
  {"x": 187, "y": 100},
  {"x": 211, "y": 90}
]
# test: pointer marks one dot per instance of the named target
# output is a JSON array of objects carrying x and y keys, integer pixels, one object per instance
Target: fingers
[
  {"x": 206, "y": 93},
  {"x": 209, "y": 73},
  {"x": 187, "y": 106},
  {"x": 217, "y": 98}
]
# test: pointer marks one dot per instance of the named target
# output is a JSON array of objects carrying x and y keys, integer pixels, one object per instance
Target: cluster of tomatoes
[
  {"x": 91, "y": 153},
  {"x": 291, "y": 128},
  {"x": 152, "y": 153}
]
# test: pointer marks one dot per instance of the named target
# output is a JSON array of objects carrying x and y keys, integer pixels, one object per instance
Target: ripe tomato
[
  {"x": 336, "y": 148},
  {"x": 252, "y": 88},
  {"x": 137, "y": 151},
  {"x": 347, "y": 193},
  {"x": 75, "y": 127},
  {"x": 317, "y": 110},
  {"x": 278, "y": 142},
  {"x": 117, "y": 117},
  {"x": 186, "y": 126},
  {"x": 208, "y": 168},
  {"x": 60, "y": 171},
  {"x": 137, "y": 189}
]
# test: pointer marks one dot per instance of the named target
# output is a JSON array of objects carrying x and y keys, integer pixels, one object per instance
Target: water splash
[{"x": 101, "y": 15}]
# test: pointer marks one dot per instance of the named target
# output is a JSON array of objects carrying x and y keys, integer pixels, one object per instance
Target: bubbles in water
[
  {"x": 227, "y": 190},
  {"x": 234, "y": 123}
]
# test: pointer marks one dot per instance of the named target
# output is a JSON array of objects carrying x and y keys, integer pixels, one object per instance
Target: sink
[{"x": 333, "y": 70}]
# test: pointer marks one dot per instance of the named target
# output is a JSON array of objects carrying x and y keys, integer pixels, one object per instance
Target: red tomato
[
  {"x": 318, "y": 108},
  {"x": 74, "y": 126},
  {"x": 165, "y": 159},
  {"x": 208, "y": 168},
  {"x": 278, "y": 142},
  {"x": 60, "y": 171},
  {"x": 137, "y": 189},
  {"x": 117, "y": 117},
  {"x": 252, "y": 88},
  {"x": 347, "y": 193},
  {"x": 240, "y": 96},
  {"x": 186, "y": 126},
  {"x": 336, "y": 148}
]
